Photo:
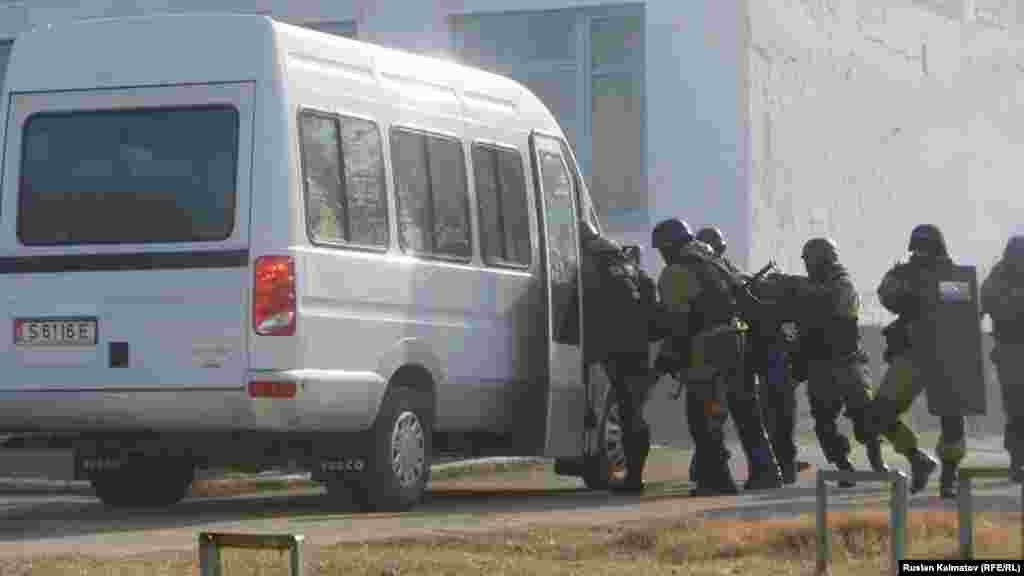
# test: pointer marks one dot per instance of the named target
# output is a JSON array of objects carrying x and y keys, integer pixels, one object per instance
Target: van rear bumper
[{"x": 325, "y": 401}]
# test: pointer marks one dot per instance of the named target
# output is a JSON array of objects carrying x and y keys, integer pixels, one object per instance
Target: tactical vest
[
  {"x": 715, "y": 305},
  {"x": 832, "y": 333},
  {"x": 618, "y": 304},
  {"x": 905, "y": 300}
]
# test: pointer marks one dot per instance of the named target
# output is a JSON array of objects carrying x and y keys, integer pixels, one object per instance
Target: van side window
[
  {"x": 501, "y": 195},
  {"x": 431, "y": 195},
  {"x": 343, "y": 169}
]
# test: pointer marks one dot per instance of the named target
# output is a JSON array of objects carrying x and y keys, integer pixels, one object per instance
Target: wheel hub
[
  {"x": 615, "y": 452},
  {"x": 408, "y": 454}
]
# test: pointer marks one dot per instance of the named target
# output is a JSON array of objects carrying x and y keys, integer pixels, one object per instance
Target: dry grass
[
  {"x": 239, "y": 484},
  {"x": 693, "y": 547}
]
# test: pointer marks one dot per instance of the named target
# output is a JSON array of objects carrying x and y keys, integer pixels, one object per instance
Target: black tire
[
  {"x": 607, "y": 466},
  {"x": 143, "y": 485},
  {"x": 407, "y": 413}
]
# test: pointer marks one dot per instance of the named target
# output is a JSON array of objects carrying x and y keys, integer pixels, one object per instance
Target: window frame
[
  {"x": 232, "y": 228},
  {"x": 586, "y": 74},
  {"x": 493, "y": 148},
  {"x": 342, "y": 244},
  {"x": 468, "y": 210}
]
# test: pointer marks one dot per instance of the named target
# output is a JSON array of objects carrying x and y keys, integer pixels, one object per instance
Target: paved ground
[{"x": 36, "y": 525}]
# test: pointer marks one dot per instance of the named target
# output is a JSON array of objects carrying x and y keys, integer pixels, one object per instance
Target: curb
[{"x": 43, "y": 486}]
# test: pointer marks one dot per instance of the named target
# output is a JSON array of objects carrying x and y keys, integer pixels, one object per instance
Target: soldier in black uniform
[
  {"x": 618, "y": 301},
  {"x": 768, "y": 361},
  {"x": 1002, "y": 298},
  {"x": 706, "y": 349},
  {"x": 767, "y": 372},
  {"x": 837, "y": 372}
]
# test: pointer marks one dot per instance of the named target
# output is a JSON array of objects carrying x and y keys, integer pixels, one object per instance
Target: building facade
[
  {"x": 604, "y": 68},
  {"x": 774, "y": 120}
]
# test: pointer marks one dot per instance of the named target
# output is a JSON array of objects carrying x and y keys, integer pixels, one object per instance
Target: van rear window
[{"x": 128, "y": 176}]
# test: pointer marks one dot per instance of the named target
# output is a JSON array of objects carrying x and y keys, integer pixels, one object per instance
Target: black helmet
[
  {"x": 1014, "y": 251},
  {"x": 818, "y": 252},
  {"x": 712, "y": 237},
  {"x": 671, "y": 232},
  {"x": 927, "y": 239}
]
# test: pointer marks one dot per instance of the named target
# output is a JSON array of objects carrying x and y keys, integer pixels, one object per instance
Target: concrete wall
[
  {"x": 868, "y": 117},
  {"x": 871, "y": 116}
]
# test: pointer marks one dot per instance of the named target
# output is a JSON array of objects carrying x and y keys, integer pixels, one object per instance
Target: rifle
[
  {"x": 756, "y": 279},
  {"x": 746, "y": 293}
]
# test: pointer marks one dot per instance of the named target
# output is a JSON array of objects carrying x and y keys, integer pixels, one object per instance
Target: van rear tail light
[
  {"x": 273, "y": 303},
  {"x": 272, "y": 389}
]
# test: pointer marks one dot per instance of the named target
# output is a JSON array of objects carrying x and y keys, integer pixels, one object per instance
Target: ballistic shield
[{"x": 947, "y": 343}]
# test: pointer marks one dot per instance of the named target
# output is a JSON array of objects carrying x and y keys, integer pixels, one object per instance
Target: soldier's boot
[
  {"x": 714, "y": 478},
  {"x": 726, "y": 454},
  {"x": 947, "y": 480},
  {"x": 921, "y": 468},
  {"x": 764, "y": 471},
  {"x": 874, "y": 449},
  {"x": 845, "y": 465},
  {"x": 718, "y": 483},
  {"x": 635, "y": 461}
]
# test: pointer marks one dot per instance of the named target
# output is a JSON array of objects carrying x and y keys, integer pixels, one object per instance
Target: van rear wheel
[
  {"x": 607, "y": 465},
  {"x": 143, "y": 485},
  {"x": 398, "y": 459}
]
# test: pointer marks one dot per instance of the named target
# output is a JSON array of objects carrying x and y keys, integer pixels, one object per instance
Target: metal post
[
  {"x": 898, "y": 513},
  {"x": 209, "y": 557},
  {"x": 965, "y": 505},
  {"x": 821, "y": 525},
  {"x": 211, "y": 543},
  {"x": 966, "y": 518},
  {"x": 296, "y": 558},
  {"x": 898, "y": 521}
]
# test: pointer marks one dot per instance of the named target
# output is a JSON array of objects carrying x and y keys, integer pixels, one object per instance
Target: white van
[{"x": 228, "y": 241}]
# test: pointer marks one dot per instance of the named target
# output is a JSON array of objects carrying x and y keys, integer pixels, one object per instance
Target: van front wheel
[{"x": 398, "y": 459}]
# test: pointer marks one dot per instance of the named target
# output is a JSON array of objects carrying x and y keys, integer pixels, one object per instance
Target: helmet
[
  {"x": 928, "y": 239},
  {"x": 1014, "y": 249},
  {"x": 671, "y": 232},
  {"x": 712, "y": 237},
  {"x": 820, "y": 251}
]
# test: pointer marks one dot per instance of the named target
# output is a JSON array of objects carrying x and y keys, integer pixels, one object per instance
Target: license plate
[{"x": 54, "y": 332}]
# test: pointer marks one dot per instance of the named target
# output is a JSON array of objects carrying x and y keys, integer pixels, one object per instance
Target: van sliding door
[{"x": 557, "y": 215}]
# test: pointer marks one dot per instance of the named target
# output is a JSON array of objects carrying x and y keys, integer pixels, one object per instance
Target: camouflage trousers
[
  {"x": 901, "y": 385},
  {"x": 833, "y": 386}
]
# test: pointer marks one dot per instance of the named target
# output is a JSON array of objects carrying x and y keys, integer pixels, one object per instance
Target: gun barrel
[{"x": 760, "y": 274}]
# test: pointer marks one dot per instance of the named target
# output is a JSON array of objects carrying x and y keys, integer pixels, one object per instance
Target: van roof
[{"x": 226, "y": 47}]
